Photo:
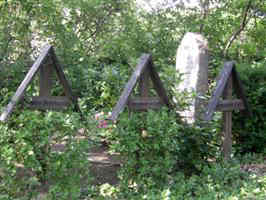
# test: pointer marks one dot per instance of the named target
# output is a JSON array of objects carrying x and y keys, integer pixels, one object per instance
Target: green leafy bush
[
  {"x": 249, "y": 132},
  {"x": 217, "y": 180},
  {"x": 155, "y": 144},
  {"x": 31, "y": 156}
]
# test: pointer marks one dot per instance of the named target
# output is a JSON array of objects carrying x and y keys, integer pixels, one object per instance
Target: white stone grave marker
[{"x": 192, "y": 63}]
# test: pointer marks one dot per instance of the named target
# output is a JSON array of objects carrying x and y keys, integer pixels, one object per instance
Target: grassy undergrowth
[
  {"x": 151, "y": 168},
  {"x": 243, "y": 178},
  {"x": 171, "y": 160}
]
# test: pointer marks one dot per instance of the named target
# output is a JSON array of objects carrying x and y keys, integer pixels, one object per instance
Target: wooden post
[
  {"x": 46, "y": 81},
  {"x": 227, "y": 79},
  {"x": 144, "y": 84},
  {"x": 227, "y": 122}
]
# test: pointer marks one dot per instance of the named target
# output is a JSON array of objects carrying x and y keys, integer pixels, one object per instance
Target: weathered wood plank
[
  {"x": 144, "y": 83},
  {"x": 239, "y": 89},
  {"x": 227, "y": 122},
  {"x": 19, "y": 93},
  {"x": 230, "y": 105},
  {"x": 62, "y": 78},
  {"x": 158, "y": 85},
  {"x": 50, "y": 103},
  {"x": 227, "y": 130},
  {"x": 46, "y": 81},
  {"x": 143, "y": 62},
  {"x": 143, "y": 104},
  {"x": 221, "y": 82},
  {"x": 64, "y": 82}
]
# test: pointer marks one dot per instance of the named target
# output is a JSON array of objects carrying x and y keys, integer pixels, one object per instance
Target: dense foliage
[
  {"x": 98, "y": 44},
  {"x": 217, "y": 181},
  {"x": 249, "y": 132},
  {"x": 30, "y": 156},
  {"x": 153, "y": 150}
]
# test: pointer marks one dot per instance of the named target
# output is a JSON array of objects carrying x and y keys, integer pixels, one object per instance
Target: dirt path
[{"x": 104, "y": 167}]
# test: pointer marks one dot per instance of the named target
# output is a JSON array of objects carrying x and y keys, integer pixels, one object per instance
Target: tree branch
[{"x": 241, "y": 28}]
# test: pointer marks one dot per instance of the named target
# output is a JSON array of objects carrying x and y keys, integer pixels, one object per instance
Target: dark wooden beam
[
  {"x": 143, "y": 62},
  {"x": 21, "y": 89},
  {"x": 61, "y": 77},
  {"x": 50, "y": 103},
  {"x": 46, "y": 81},
  {"x": 158, "y": 85},
  {"x": 64, "y": 82},
  {"x": 143, "y": 104},
  {"x": 239, "y": 89},
  {"x": 230, "y": 105},
  {"x": 144, "y": 83},
  {"x": 221, "y": 82},
  {"x": 227, "y": 121}
]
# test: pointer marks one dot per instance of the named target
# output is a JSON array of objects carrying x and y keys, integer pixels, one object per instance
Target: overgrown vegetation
[
  {"x": 31, "y": 155},
  {"x": 250, "y": 132},
  {"x": 216, "y": 181},
  {"x": 98, "y": 44},
  {"x": 154, "y": 150}
]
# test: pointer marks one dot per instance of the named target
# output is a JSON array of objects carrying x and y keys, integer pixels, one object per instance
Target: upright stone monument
[{"x": 192, "y": 63}]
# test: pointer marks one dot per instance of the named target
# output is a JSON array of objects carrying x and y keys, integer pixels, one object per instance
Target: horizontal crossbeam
[
  {"x": 49, "y": 103},
  {"x": 230, "y": 105},
  {"x": 144, "y": 103}
]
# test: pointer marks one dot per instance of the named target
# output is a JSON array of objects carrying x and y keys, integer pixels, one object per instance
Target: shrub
[
  {"x": 218, "y": 180},
  {"x": 249, "y": 132},
  {"x": 155, "y": 144},
  {"x": 29, "y": 157}
]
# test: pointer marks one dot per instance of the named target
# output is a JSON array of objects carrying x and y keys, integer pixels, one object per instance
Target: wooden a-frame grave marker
[
  {"x": 143, "y": 73},
  {"x": 46, "y": 63},
  {"x": 228, "y": 80}
]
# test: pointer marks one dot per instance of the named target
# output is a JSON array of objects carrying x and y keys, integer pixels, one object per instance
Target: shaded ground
[{"x": 104, "y": 167}]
